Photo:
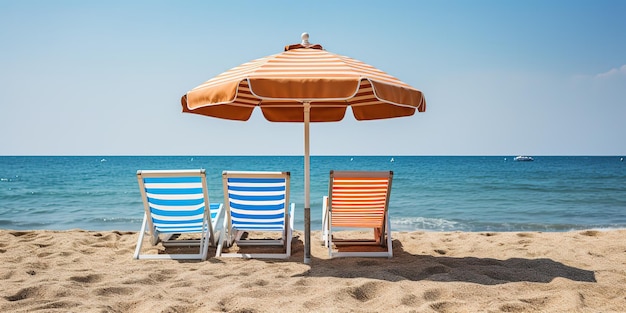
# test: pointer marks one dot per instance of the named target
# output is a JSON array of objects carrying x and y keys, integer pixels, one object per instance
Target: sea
[{"x": 429, "y": 193}]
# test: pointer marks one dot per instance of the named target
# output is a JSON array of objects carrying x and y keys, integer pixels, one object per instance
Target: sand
[{"x": 86, "y": 271}]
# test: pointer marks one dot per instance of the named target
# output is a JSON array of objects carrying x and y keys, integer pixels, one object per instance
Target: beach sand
[{"x": 88, "y": 271}]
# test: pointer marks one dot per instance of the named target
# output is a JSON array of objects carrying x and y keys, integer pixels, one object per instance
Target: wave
[
  {"x": 424, "y": 223},
  {"x": 438, "y": 224}
]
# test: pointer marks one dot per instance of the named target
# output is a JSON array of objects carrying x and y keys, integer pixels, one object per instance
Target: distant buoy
[
  {"x": 351, "y": 159},
  {"x": 621, "y": 159},
  {"x": 391, "y": 160}
]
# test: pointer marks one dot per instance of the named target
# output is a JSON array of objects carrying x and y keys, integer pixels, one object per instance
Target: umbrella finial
[
  {"x": 304, "y": 44},
  {"x": 305, "y": 40}
]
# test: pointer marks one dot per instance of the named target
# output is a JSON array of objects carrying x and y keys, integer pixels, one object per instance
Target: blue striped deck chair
[
  {"x": 176, "y": 206},
  {"x": 258, "y": 215},
  {"x": 357, "y": 201}
]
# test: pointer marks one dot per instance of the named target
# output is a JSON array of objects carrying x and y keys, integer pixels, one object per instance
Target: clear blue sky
[{"x": 500, "y": 77}]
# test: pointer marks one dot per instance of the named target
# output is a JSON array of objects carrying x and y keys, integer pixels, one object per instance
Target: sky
[{"x": 500, "y": 77}]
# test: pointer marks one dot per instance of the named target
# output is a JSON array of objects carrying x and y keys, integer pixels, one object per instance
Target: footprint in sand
[
  {"x": 25, "y": 293},
  {"x": 591, "y": 233},
  {"x": 87, "y": 279},
  {"x": 410, "y": 300},
  {"x": 114, "y": 291},
  {"x": 432, "y": 295},
  {"x": 258, "y": 282},
  {"x": 447, "y": 306},
  {"x": 364, "y": 292}
]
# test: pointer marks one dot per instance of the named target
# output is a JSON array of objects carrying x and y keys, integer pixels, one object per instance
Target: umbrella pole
[{"x": 307, "y": 200}]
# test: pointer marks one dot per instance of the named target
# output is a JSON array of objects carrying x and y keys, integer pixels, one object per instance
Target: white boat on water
[{"x": 523, "y": 158}]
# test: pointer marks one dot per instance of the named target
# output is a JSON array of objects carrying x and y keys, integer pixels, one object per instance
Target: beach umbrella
[{"x": 304, "y": 84}]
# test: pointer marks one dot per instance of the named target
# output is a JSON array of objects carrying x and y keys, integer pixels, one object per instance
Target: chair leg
[
  {"x": 289, "y": 225},
  {"x": 154, "y": 238},
  {"x": 325, "y": 221},
  {"x": 378, "y": 235},
  {"x": 388, "y": 235},
  {"x": 218, "y": 250},
  {"x": 204, "y": 246},
  {"x": 140, "y": 235},
  {"x": 224, "y": 235}
]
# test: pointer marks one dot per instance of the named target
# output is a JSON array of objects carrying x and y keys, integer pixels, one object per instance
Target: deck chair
[
  {"x": 176, "y": 205},
  {"x": 256, "y": 203},
  {"x": 357, "y": 200}
]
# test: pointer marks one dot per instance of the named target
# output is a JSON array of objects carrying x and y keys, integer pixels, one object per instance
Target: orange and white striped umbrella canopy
[{"x": 281, "y": 83}]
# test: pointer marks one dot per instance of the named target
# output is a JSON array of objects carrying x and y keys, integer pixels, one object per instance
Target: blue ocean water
[{"x": 435, "y": 193}]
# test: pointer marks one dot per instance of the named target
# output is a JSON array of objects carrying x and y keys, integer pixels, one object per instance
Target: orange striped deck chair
[{"x": 357, "y": 201}]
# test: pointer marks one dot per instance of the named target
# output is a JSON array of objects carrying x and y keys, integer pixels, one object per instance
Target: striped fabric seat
[
  {"x": 257, "y": 202},
  {"x": 177, "y": 202},
  {"x": 358, "y": 200}
]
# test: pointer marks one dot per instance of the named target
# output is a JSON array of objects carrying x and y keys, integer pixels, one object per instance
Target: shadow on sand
[{"x": 406, "y": 266}]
